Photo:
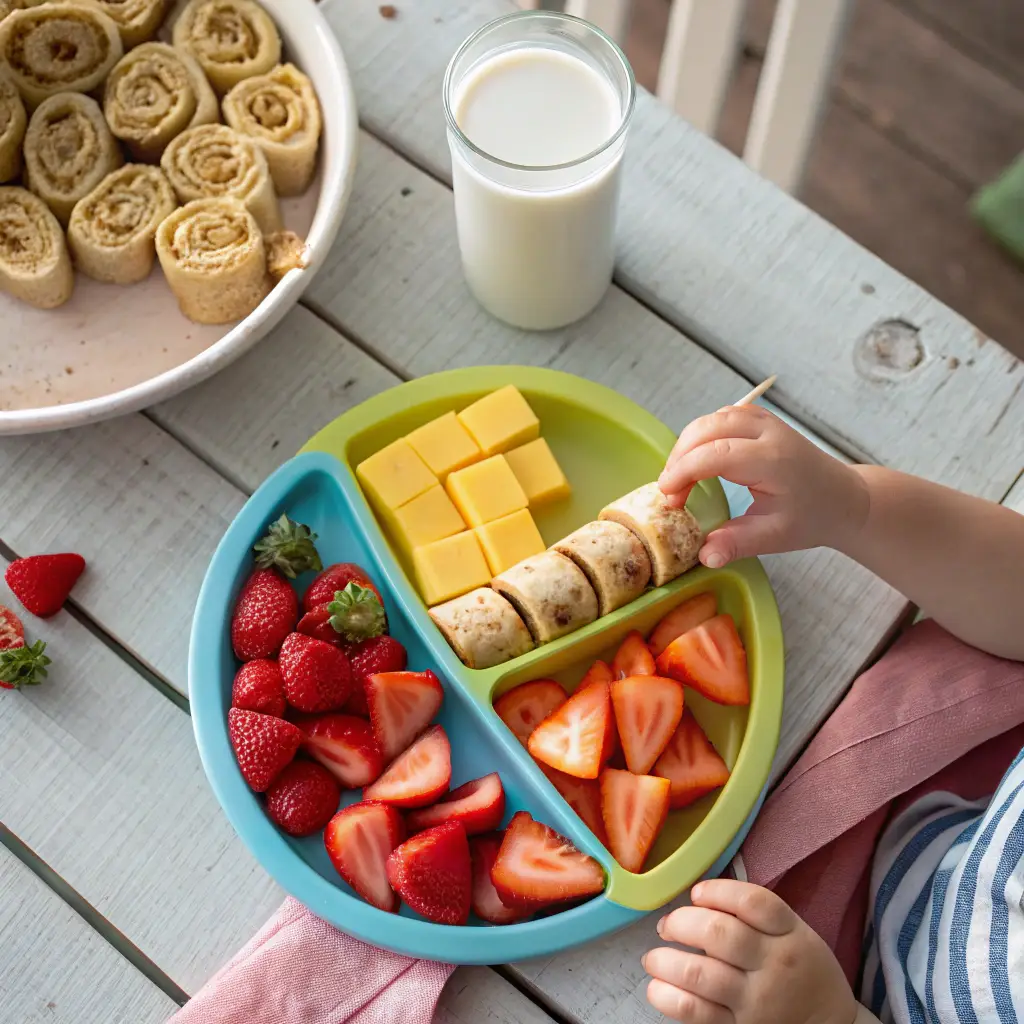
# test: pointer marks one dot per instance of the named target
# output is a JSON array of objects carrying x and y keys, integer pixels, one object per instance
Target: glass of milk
[{"x": 538, "y": 104}]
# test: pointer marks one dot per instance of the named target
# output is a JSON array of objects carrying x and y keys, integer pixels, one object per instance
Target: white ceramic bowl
[{"x": 113, "y": 350}]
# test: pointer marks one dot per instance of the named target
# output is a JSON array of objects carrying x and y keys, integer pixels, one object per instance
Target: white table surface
[{"x": 122, "y": 887}]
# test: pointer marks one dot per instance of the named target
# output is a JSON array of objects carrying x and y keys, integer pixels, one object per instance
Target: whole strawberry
[
  {"x": 288, "y": 547},
  {"x": 264, "y": 745},
  {"x": 334, "y": 579},
  {"x": 259, "y": 686},
  {"x": 266, "y": 613},
  {"x": 303, "y": 798},
  {"x": 42, "y": 583},
  {"x": 378, "y": 654},
  {"x": 317, "y": 676},
  {"x": 357, "y": 613},
  {"x": 317, "y": 624}
]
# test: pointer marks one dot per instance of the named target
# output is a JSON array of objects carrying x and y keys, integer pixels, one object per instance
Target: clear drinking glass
[{"x": 536, "y": 234}]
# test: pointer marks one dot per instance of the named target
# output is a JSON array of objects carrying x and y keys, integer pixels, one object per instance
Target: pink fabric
[
  {"x": 301, "y": 970},
  {"x": 932, "y": 714}
]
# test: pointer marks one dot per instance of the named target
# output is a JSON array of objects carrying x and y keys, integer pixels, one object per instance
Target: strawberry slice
[
  {"x": 634, "y": 808},
  {"x": 647, "y": 711},
  {"x": 710, "y": 658},
  {"x": 263, "y": 745},
  {"x": 536, "y": 865},
  {"x": 345, "y": 746},
  {"x": 258, "y": 686},
  {"x": 401, "y": 707},
  {"x": 479, "y": 805},
  {"x": 433, "y": 873},
  {"x": 419, "y": 776},
  {"x": 486, "y": 902},
  {"x": 601, "y": 672},
  {"x": 633, "y": 658},
  {"x": 525, "y": 706},
  {"x": 574, "y": 738},
  {"x": 12, "y": 632},
  {"x": 681, "y": 620},
  {"x": 375, "y": 654},
  {"x": 359, "y": 840},
  {"x": 583, "y": 796},
  {"x": 302, "y": 799},
  {"x": 691, "y": 764}
]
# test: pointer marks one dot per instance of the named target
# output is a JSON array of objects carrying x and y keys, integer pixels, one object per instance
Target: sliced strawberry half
[
  {"x": 633, "y": 658},
  {"x": 345, "y": 746},
  {"x": 263, "y": 745},
  {"x": 710, "y": 658},
  {"x": 12, "y": 632},
  {"x": 691, "y": 764},
  {"x": 479, "y": 805},
  {"x": 601, "y": 672},
  {"x": 419, "y": 776},
  {"x": 574, "y": 739},
  {"x": 401, "y": 705},
  {"x": 525, "y": 706},
  {"x": 536, "y": 865},
  {"x": 681, "y": 620},
  {"x": 647, "y": 711},
  {"x": 486, "y": 902},
  {"x": 634, "y": 808},
  {"x": 433, "y": 873},
  {"x": 359, "y": 840},
  {"x": 583, "y": 796}
]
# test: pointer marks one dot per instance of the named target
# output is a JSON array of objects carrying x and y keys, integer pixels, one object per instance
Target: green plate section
[{"x": 607, "y": 446}]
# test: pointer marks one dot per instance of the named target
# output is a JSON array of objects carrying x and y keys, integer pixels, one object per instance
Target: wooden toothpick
[{"x": 758, "y": 391}]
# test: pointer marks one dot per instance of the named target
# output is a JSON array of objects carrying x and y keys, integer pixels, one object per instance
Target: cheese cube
[
  {"x": 486, "y": 491},
  {"x": 444, "y": 445},
  {"x": 500, "y": 421},
  {"x": 507, "y": 541},
  {"x": 450, "y": 568},
  {"x": 538, "y": 473},
  {"x": 394, "y": 476},
  {"x": 430, "y": 517}
]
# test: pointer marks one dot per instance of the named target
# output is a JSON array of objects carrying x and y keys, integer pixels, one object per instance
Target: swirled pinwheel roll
[
  {"x": 68, "y": 151},
  {"x": 281, "y": 112},
  {"x": 112, "y": 234},
  {"x": 214, "y": 259},
  {"x": 232, "y": 40},
  {"x": 34, "y": 262},
  {"x": 7, "y": 6},
  {"x": 136, "y": 20},
  {"x": 58, "y": 47},
  {"x": 12, "y": 127},
  {"x": 153, "y": 94},
  {"x": 213, "y": 161}
]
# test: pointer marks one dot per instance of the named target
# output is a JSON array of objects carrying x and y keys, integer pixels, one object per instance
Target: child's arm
[{"x": 960, "y": 559}]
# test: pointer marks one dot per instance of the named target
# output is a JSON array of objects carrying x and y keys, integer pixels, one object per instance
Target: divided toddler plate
[{"x": 607, "y": 446}]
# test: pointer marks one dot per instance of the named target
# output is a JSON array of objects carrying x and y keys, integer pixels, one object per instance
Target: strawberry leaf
[
  {"x": 23, "y": 666},
  {"x": 288, "y": 547},
  {"x": 356, "y": 613}
]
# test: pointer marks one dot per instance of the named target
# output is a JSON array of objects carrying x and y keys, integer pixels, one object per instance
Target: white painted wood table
[{"x": 122, "y": 887}]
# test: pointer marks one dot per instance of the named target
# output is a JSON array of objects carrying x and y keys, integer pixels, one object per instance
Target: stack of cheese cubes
[{"x": 456, "y": 493}]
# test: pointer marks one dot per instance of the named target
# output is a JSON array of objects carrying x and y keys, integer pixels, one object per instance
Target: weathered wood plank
[
  {"x": 396, "y": 265},
  {"x": 747, "y": 271},
  {"x": 918, "y": 87},
  {"x": 58, "y": 970},
  {"x": 103, "y": 781}
]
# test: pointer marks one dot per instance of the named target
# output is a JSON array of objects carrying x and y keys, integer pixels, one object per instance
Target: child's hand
[
  {"x": 763, "y": 963},
  {"x": 803, "y": 498}
]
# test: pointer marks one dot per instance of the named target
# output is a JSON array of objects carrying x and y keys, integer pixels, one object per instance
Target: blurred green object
[{"x": 999, "y": 208}]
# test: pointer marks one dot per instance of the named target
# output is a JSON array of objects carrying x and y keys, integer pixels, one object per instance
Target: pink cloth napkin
[
  {"x": 933, "y": 714},
  {"x": 301, "y": 970}
]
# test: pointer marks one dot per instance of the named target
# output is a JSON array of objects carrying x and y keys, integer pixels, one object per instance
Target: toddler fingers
[
  {"x": 744, "y": 537},
  {"x": 685, "y": 1006},
  {"x": 740, "y": 460},
  {"x": 721, "y": 936},
  {"x": 701, "y": 975},
  {"x": 732, "y": 421},
  {"x": 759, "y": 908}
]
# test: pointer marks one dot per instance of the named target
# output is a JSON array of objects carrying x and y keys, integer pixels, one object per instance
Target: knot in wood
[{"x": 889, "y": 351}]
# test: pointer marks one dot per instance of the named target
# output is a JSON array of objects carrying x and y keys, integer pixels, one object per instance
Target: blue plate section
[{"x": 315, "y": 489}]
